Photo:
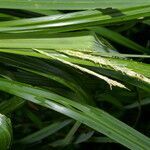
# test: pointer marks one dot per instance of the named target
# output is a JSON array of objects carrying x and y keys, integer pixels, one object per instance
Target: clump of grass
[{"x": 74, "y": 74}]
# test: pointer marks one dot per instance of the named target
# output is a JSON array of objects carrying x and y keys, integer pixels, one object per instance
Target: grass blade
[
  {"x": 67, "y": 5},
  {"x": 44, "y": 132},
  {"x": 75, "y": 21},
  {"x": 92, "y": 117},
  {"x": 5, "y": 132}
]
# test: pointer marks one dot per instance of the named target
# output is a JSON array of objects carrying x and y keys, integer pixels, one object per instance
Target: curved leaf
[
  {"x": 90, "y": 116},
  {"x": 5, "y": 132}
]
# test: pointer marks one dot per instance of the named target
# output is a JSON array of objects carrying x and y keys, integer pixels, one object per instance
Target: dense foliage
[{"x": 74, "y": 74}]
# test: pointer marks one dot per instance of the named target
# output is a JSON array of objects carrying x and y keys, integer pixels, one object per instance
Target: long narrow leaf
[
  {"x": 92, "y": 117},
  {"x": 70, "y": 5},
  {"x": 74, "y": 21}
]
